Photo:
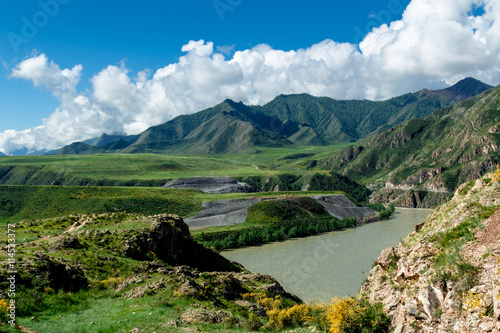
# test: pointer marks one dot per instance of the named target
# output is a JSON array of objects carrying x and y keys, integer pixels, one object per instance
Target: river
[{"x": 333, "y": 264}]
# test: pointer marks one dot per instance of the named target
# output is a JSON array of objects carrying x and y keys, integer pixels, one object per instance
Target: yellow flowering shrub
[
  {"x": 340, "y": 313},
  {"x": 111, "y": 282},
  {"x": 295, "y": 315},
  {"x": 496, "y": 175},
  {"x": 474, "y": 302},
  {"x": 3, "y": 306}
]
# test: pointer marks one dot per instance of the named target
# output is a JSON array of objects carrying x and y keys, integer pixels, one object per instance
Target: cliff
[
  {"x": 444, "y": 277},
  {"x": 410, "y": 198}
]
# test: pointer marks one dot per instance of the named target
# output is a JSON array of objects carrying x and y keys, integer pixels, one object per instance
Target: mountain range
[
  {"x": 302, "y": 119},
  {"x": 435, "y": 154}
]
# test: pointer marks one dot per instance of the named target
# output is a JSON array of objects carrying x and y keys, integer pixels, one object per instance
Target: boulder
[
  {"x": 432, "y": 300},
  {"x": 386, "y": 258}
]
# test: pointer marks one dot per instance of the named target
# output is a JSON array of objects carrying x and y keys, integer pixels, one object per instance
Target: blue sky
[
  {"x": 74, "y": 69},
  {"x": 149, "y": 35}
]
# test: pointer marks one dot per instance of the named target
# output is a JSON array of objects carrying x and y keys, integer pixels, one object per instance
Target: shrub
[
  {"x": 4, "y": 304},
  {"x": 356, "y": 315},
  {"x": 496, "y": 176}
]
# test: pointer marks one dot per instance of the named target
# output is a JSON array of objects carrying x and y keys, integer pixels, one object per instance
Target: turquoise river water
[{"x": 334, "y": 264}]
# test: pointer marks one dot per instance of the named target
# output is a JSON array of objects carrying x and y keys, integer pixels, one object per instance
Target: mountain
[
  {"x": 435, "y": 154},
  {"x": 301, "y": 119},
  {"x": 2, "y": 154},
  {"x": 227, "y": 127},
  {"x": 444, "y": 276}
]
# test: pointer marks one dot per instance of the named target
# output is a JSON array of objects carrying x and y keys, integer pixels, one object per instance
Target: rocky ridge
[{"x": 444, "y": 277}]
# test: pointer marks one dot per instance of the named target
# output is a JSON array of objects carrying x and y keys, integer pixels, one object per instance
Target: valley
[{"x": 136, "y": 223}]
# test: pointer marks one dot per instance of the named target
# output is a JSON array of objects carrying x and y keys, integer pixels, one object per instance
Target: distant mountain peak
[{"x": 466, "y": 88}]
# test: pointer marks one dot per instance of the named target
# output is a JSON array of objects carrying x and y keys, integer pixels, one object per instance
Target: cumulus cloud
[
  {"x": 436, "y": 43},
  {"x": 48, "y": 75}
]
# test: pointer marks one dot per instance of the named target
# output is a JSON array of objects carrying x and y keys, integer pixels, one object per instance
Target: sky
[{"x": 74, "y": 69}]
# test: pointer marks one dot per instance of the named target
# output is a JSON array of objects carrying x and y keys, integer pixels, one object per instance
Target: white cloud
[
  {"x": 48, "y": 75},
  {"x": 437, "y": 42}
]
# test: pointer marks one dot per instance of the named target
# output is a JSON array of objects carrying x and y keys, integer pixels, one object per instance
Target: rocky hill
[
  {"x": 421, "y": 162},
  {"x": 444, "y": 277},
  {"x": 303, "y": 119},
  {"x": 130, "y": 273}
]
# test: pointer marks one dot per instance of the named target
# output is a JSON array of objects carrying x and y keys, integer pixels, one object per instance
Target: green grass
[
  {"x": 449, "y": 263},
  {"x": 150, "y": 169},
  {"x": 36, "y": 202},
  {"x": 114, "y": 314},
  {"x": 39, "y": 202},
  {"x": 97, "y": 306}
]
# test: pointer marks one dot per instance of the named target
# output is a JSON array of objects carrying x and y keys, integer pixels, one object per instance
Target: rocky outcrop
[
  {"x": 53, "y": 273},
  {"x": 218, "y": 185},
  {"x": 445, "y": 276},
  {"x": 410, "y": 198},
  {"x": 168, "y": 239},
  {"x": 422, "y": 176}
]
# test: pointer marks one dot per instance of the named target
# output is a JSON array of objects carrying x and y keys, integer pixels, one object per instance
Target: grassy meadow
[{"x": 137, "y": 169}]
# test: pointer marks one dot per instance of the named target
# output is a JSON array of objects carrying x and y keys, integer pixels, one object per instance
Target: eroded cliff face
[
  {"x": 409, "y": 198},
  {"x": 445, "y": 276}
]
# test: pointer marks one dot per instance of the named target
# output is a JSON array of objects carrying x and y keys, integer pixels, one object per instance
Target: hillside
[
  {"x": 431, "y": 155},
  {"x": 232, "y": 127},
  {"x": 445, "y": 276},
  {"x": 36, "y": 202},
  {"x": 130, "y": 273}
]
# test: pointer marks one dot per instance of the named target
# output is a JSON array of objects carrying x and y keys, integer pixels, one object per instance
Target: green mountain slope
[
  {"x": 450, "y": 146},
  {"x": 232, "y": 127}
]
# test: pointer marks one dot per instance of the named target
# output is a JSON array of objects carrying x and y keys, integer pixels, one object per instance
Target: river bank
[{"x": 331, "y": 264}]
